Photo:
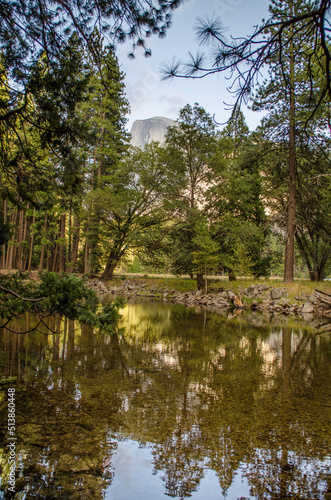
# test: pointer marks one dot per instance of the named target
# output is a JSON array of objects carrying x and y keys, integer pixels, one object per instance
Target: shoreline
[{"x": 262, "y": 298}]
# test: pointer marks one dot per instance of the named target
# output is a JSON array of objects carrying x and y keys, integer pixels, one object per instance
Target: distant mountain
[{"x": 152, "y": 129}]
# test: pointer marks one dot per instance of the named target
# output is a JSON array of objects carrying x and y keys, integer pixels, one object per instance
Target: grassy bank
[{"x": 184, "y": 284}]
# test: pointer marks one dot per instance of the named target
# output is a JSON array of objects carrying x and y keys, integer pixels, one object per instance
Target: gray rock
[
  {"x": 152, "y": 129},
  {"x": 313, "y": 299},
  {"x": 308, "y": 317},
  {"x": 308, "y": 308},
  {"x": 277, "y": 293}
]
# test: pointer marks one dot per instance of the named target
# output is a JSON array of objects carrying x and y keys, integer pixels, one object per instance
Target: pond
[{"x": 183, "y": 404}]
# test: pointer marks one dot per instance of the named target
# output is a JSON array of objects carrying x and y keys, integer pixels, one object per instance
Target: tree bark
[
  {"x": 87, "y": 256},
  {"x": 291, "y": 207},
  {"x": 109, "y": 270},
  {"x": 112, "y": 261},
  {"x": 232, "y": 276},
  {"x": 61, "y": 244},
  {"x": 42, "y": 253},
  {"x": 31, "y": 240},
  {"x": 18, "y": 263},
  {"x": 10, "y": 251},
  {"x": 24, "y": 256},
  {"x": 200, "y": 281},
  {"x": 4, "y": 245},
  {"x": 75, "y": 242},
  {"x": 55, "y": 263}
]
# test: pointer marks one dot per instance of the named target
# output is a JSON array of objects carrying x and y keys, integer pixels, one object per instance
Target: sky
[{"x": 149, "y": 96}]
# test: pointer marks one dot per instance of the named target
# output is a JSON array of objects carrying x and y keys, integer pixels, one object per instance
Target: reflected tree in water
[{"x": 199, "y": 392}]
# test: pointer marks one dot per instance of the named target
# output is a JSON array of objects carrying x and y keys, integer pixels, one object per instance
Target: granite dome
[{"x": 152, "y": 129}]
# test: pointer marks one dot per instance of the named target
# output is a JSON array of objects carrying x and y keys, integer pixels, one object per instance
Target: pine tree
[
  {"x": 279, "y": 97},
  {"x": 190, "y": 154},
  {"x": 104, "y": 113}
]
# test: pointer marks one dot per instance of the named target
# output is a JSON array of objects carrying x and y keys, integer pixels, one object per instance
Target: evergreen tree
[
  {"x": 280, "y": 98},
  {"x": 191, "y": 155},
  {"x": 293, "y": 123},
  {"x": 104, "y": 113},
  {"x": 31, "y": 30},
  {"x": 235, "y": 204}
]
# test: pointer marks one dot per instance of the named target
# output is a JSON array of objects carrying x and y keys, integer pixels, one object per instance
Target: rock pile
[
  {"x": 97, "y": 285},
  {"x": 261, "y": 298}
]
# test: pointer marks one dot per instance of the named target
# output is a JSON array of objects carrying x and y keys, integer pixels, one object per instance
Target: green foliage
[
  {"x": 135, "y": 267},
  {"x": 65, "y": 295},
  {"x": 235, "y": 201},
  {"x": 242, "y": 262},
  {"x": 131, "y": 203},
  {"x": 206, "y": 252},
  {"x": 191, "y": 156}
]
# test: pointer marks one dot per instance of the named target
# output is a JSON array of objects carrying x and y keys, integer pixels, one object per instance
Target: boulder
[
  {"x": 313, "y": 299},
  {"x": 308, "y": 308},
  {"x": 277, "y": 293}
]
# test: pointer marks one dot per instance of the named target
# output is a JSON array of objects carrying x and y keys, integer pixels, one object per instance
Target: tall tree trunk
[
  {"x": 50, "y": 252},
  {"x": 69, "y": 252},
  {"x": 18, "y": 263},
  {"x": 322, "y": 265},
  {"x": 200, "y": 281},
  {"x": 289, "y": 250},
  {"x": 232, "y": 276},
  {"x": 109, "y": 269},
  {"x": 61, "y": 245},
  {"x": 55, "y": 255},
  {"x": 4, "y": 245},
  {"x": 42, "y": 254},
  {"x": 75, "y": 242},
  {"x": 31, "y": 240},
  {"x": 87, "y": 257},
  {"x": 24, "y": 250},
  {"x": 10, "y": 251}
]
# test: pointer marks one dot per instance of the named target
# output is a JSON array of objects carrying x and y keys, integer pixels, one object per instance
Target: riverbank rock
[
  {"x": 255, "y": 291},
  {"x": 308, "y": 308},
  {"x": 97, "y": 285},
  {"x": 272, "y": 302},
  {"x": 278, "y": 293},
  {"x": 323, "y": 305}
]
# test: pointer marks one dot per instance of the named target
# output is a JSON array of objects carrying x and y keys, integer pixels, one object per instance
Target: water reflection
[{"x": 182, "y": 405}]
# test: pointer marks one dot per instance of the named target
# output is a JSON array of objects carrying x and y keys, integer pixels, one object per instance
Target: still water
[{"x": 183, "y": 404}]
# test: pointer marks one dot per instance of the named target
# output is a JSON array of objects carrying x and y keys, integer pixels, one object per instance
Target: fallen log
[
  {"x": 323, "y": 297},
  {"x": 237, "y": 302}
]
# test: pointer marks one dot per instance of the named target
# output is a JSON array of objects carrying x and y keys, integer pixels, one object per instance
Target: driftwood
[
  {"x": 323, "y": 297},
  {"x": 237, "y": 302}
]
